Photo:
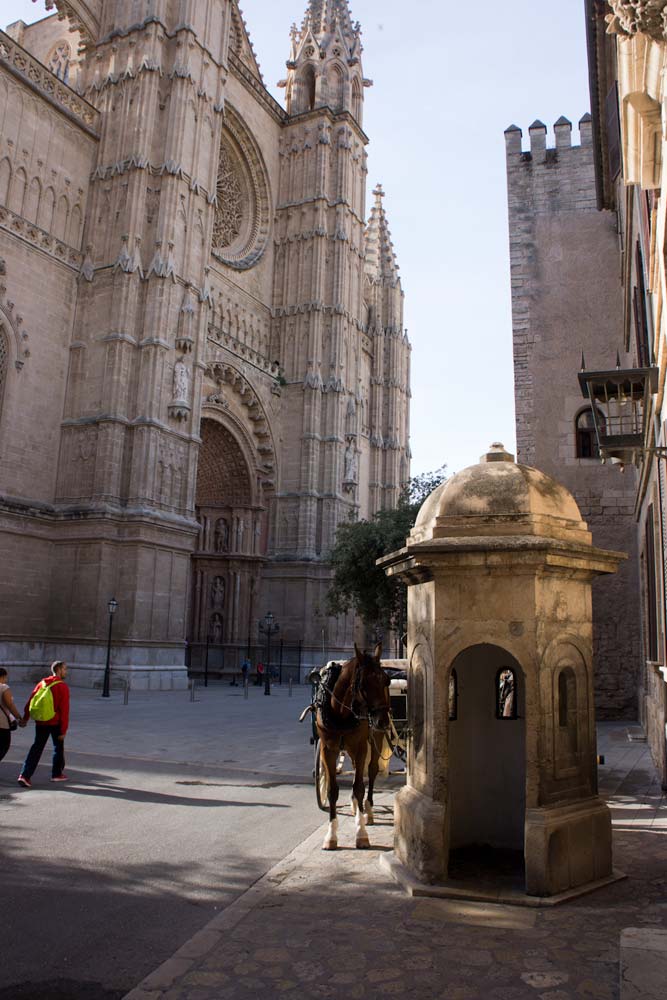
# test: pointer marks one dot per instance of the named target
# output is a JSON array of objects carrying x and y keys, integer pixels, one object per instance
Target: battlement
[{"x": 538, "y": 147}]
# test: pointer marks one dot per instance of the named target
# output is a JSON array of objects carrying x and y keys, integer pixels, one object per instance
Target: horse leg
[
  {"x": 329, "y": 758},
  {"x": 373, "y": 768},
  {"x": 359, "y": 759}
]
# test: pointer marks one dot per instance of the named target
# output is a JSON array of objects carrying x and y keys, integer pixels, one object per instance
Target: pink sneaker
[
  {"x": 60, "y": 777},
  {"x": 26, "y": 782}
]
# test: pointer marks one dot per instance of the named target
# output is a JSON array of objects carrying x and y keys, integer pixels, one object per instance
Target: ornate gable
[{"x": 240, "y": 43}]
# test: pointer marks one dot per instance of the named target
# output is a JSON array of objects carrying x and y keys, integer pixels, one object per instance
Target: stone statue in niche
[
  {"x": 222, "y": 535},
  {"x": 218, "y": 593},
  {"x": 216, "y": 628},
  {"x": 240, "y": 534},
  {"x": 181, "y": 382},
  {"x": 351, "y": 463}
]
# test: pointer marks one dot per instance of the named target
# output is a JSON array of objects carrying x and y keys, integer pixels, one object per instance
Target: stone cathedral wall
[{"x": 566, "y": 299}]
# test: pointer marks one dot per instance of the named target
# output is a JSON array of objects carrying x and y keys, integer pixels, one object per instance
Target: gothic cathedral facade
[{"x": 203, "y": 365}]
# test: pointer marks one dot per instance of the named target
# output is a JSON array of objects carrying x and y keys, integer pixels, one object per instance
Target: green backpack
[{"x": 41, "y": 705}]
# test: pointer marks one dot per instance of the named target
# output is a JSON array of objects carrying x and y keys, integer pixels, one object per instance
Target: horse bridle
[{"x": 359, "y": 695}]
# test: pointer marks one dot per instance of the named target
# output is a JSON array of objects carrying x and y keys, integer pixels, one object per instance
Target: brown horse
[{"x": 349, "y": 714}]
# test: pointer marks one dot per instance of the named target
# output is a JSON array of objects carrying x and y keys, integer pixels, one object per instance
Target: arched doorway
[
  {"x": 487, "y": 758},
  {"x": 229, "y": 555}
]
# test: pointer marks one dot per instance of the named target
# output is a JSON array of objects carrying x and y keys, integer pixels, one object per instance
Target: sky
[{"x": 448, "y": 80}]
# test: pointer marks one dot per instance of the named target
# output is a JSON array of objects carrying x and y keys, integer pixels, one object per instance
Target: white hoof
[
  {"x": 370, "y": 820},
  {"x": 363, "y": 843},
  {"x": 329, "y": 845}
]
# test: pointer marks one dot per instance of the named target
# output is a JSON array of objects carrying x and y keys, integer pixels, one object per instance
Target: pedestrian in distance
[
  {"x": 10, "y": 717},
  {"x": 260, "y": 675},
  {"x": 48, "y": 705},
  {"x": 245, "y": 670}
]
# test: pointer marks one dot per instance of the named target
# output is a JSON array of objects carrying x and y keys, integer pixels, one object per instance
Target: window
[
  {"x": 59, "y": 61},
  {"x": 586, "y": 438},
  {"x": 651, "y": 610},
  {"x": 642, "y": 329},
  {"x": 308, "y": 89},
  {"x": 453, "y": 696},
  {"x": 506, "y": 694}
]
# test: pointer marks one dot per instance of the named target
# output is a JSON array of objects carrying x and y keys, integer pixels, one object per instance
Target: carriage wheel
[{"x": 321, "y": 781}]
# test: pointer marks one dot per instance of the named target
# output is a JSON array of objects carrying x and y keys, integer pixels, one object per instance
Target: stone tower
[
  {"x": 566, "y": 299},
  {"x": 224, "y": 375},
  {"x": 338, "y": 309}
]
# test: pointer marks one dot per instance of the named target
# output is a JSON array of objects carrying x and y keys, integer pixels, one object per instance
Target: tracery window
[
  {"x": 506, "y": 694},
  {"x": 59, "y": 61},
  {"x": 230, "y": 212}
]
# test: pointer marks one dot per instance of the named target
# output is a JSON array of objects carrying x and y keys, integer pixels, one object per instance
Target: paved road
[{"x": 173, "y": 809}]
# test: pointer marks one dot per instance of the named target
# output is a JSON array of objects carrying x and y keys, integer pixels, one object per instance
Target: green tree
[{"x": 360, "y": 585}]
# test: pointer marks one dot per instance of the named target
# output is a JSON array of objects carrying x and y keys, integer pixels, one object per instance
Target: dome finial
[{"x": 497, "y": 453}]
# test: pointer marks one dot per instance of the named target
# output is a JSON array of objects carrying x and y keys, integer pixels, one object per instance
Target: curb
[{"x": 214, "y": 933}]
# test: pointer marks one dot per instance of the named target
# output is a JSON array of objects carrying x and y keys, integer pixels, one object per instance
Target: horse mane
[{"x": 344, "y": 689}]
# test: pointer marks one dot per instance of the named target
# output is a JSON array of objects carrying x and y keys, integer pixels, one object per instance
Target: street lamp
[
  {"x": 268, "y": 626},
  {"x": 113, "y": 608}
]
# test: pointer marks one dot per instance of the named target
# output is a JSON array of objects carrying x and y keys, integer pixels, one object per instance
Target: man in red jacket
[{"x": 56, "y": 727}]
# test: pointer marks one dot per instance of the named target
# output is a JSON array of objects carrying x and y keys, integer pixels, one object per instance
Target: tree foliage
[{"x": 360, "y": 585}]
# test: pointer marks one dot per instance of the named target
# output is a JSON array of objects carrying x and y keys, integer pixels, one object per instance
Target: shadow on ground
[{"x": 60, "y": 989}]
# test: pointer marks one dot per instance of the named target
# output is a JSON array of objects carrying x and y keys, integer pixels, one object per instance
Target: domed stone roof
[{"x": 498, "y": 497}]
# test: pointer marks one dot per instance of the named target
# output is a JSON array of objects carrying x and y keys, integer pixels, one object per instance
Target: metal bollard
[
  {"x": 290, "y": 685},
  {"x": 192, "y": 690},
  {"x": 245, "y": 688},
  {"x": 126, "y": 696}
]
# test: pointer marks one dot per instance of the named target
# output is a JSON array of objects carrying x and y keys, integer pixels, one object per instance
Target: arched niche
[{"x": 487, "y": 752}]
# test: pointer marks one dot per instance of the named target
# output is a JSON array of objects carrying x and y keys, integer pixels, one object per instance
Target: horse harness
[{"x": 324, "y": 698}]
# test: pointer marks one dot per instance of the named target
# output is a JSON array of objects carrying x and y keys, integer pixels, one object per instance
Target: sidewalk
[{"x": 328, "y": 925}]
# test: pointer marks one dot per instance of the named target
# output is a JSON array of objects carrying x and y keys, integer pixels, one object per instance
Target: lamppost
[
  {"x": 113, "y": 608},
  {"x": 268, "y": 626}
]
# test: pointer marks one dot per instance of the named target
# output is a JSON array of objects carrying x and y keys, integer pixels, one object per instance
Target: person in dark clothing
[
  {"x": 9, "y": 714},
  {"x": 55, "y": 727}
]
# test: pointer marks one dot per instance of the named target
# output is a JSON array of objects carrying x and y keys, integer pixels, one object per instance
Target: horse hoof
[
  {"x": 330, "y": 845},
  {"x": 363, "y": 843}
]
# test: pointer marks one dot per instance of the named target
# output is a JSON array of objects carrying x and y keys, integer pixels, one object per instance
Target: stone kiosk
[{"x": 503, "y": 751}]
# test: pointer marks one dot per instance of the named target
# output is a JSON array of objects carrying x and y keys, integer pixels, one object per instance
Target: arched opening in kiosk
[{"x": 487, "y": 762}]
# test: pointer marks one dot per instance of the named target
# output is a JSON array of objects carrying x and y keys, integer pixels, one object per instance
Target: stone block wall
[{"x": 567, "y": 300}]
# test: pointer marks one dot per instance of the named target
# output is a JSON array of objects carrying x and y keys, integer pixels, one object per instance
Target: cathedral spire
[
  {"x": 381, "y": 262},
  {"x": 324, "y": 16},
  {"x": 324, "y": 68}
]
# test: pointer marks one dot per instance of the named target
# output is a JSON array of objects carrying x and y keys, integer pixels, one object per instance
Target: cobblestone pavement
[{"x": 331, "y": 925}]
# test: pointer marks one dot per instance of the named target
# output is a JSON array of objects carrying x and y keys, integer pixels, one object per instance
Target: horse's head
[{"x": 373, "y": 686}]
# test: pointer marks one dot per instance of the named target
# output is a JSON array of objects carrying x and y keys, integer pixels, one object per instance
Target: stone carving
[
  {"x": 633, "y": 16},
  {"x": 181, "y": 382},
  {"x": 351, "y": 475},
  {"x": 230, "y": 211},
  {"x": 222, "y": 535},
  {"x": 216, "y": 628},
  {"x": 184, "y": 337},
  {"x": 14, "y": 323},
  {"x": 172, "y": 464},
  {"x": 41, "y": 79},
  {"x": 218, "y": 593}
]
